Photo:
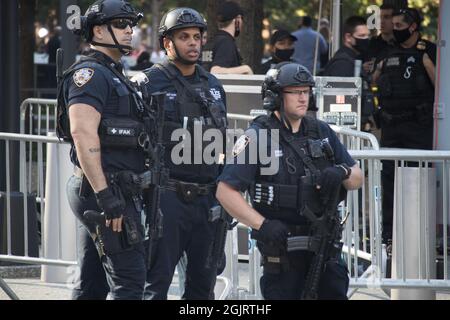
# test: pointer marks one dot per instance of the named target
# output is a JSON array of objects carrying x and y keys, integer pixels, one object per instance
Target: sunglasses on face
[{"x": 122, "y": 24}]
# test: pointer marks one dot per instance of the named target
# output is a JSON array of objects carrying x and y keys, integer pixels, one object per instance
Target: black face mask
[
  {"x": 283, "y": 55},
  {"x": 362, "y": 46},
  {"x": 402, "y": 36}
]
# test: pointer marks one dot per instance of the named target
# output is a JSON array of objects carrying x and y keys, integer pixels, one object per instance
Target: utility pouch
[{"x": 120, "y": 133}]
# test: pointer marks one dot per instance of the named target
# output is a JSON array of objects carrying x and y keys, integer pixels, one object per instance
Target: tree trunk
[
  {"x": 211, "y": 13},
  {"x": 27, "y": 44},
  {"x": 250, "y": 42},
  {"x": 156, "y": 18}
]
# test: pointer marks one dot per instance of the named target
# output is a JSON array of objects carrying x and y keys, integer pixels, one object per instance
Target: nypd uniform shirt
[
  {"x": 95, "y": 85},
  {"x": 241, "y": 176},
  {"x": 159, "y": 82}
]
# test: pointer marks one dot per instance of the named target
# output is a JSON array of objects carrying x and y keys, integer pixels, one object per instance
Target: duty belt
[
  {"x": 397, "y": 118},
  {"x": 190, "y": 191}
]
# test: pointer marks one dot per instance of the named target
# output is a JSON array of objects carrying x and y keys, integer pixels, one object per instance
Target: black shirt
[
  {"x": 225, "y": 53},
  {"x": 378, "y": 48},
  {"x": 342, "y": 64}
]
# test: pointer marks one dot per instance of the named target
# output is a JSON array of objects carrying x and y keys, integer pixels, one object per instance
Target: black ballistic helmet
[
  {"x": 180, "y": 18},
  {"x": 102, "y": 12},
  {"x": 285, "y": 74}
]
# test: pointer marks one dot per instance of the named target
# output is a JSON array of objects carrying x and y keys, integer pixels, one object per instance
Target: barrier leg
[
  {"x": 8, "y": 290},
  {"x": 414, "y": 238},
  {"x": 59, "y": 239}
]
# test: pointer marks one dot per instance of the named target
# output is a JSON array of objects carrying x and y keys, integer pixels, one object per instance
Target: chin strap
[
  {"x": 285, "y": 122},
  {"x": 125, "y": 50},
  {"x": 180, "y": 59}
]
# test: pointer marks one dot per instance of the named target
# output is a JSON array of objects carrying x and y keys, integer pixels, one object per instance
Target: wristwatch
[{"x": 347, "y": 169}]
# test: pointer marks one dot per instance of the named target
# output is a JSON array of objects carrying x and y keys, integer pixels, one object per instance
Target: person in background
[
  {"x": 305, "y": 47},
  {"x": 281, "y": 49},
  {"x": 221, "y": 55},
  {"x": 143, "y": 62}
]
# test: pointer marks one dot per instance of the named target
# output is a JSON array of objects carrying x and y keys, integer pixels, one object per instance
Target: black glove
[
  {"x": 112, "y": 205},
  {"x": 330, "y": 182},
  {"x": 273, "y": 232}
]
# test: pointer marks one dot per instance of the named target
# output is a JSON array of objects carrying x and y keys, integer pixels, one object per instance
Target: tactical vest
[
  {"x": 283, "y": 195},
  {"x": 194, "y": 107},
  {"x": 121, "y": 128},
  {"x": 404, "y": 82}
]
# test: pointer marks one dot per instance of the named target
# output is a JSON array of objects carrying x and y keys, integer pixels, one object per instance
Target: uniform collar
[
  {"x": 350, "y": 52},
  {"x": 222, "y": 33},
  {"x": 106, "y": 59}
]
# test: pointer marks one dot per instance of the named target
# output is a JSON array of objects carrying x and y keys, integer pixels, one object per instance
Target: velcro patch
[{"x": 83, "y": 76}]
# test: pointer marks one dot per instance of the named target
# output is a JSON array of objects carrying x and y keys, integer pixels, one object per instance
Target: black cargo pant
[{"x": 121, "y": 274}]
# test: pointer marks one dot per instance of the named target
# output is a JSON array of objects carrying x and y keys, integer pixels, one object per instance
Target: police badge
[
  {"x": 240, "y": 145},
  {"x": 83, "y": 76}
]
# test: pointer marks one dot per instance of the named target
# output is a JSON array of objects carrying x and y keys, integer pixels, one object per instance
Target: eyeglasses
[
  {"x": 123, "y": 23},
  {"x": 298, "y": 92}
]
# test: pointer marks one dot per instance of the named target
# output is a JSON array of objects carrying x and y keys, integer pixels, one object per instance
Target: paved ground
[{"x": 34, "y": 289}]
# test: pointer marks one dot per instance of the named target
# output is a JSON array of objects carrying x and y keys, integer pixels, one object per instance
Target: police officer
[
  {"x": 104, "y": 114},
  {"x": 195, "y": 101},
  {"x": 301, "y": 146},
  {"x": 380, "y": 45},
  {"x": 405, "y": 81}
]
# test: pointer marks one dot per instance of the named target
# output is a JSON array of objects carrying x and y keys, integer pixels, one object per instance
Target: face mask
[
  {"x": 284, "y": 55},
  {"x": 402, "y": 36},
  {"x": 362, "y": 46}
]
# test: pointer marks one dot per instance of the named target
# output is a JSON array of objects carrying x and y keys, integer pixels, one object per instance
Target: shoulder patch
[
  {"x": 240, "y": 145},
  {"x": 421, "y": 45},
  {"x": 83, "y": 76},
  {"x": 140, "y": 78}
]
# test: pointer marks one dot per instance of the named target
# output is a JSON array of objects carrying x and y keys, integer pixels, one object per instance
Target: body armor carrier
[
  {"x": 404, "y": 83},
  {"x": 195, "y": 108},
  {"x": 283, "y": 195}
]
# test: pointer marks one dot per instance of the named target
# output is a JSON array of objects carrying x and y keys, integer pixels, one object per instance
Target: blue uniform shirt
[
  {"x": 94, "y": 84},
  {"x": 242, "y": 175}
]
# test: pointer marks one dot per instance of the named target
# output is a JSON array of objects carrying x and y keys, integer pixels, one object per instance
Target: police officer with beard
[
  {"x": 405, "y": 81},
  {"x": 281, "y": 192},
  {"x": 194, "y": 100},
  {"x": 101, "y": 114}
]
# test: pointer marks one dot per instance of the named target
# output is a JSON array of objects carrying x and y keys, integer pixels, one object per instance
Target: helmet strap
[
  {"x": 125, "y": 50},
  {"x": 178, "y": 57},
  {"x": 284, "y": 121}
]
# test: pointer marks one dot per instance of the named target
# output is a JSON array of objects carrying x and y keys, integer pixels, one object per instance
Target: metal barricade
[
  {"x": 37, "y": 193},
  {"x": 440, "y": 161},
  {"x": 365, "y": 254}
]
